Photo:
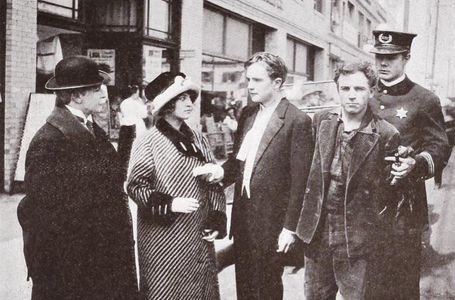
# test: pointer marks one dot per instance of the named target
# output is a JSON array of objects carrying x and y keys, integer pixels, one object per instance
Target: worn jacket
[{"x": 367, "y": 205}]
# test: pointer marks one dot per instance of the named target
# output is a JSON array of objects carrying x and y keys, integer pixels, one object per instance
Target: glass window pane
[
  {"x": 59, "y": 7},
  {"x": 290, "y": 55},
  {"x": 213, "y": 32},
  {"x": 301, "y": 58},
  {"x": 237, "y": 38},
  {"x": 158, "y": 18}
]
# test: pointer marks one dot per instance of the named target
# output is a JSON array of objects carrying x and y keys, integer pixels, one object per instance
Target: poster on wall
[
  {"x": 153, "y": 57},
  {"x": 105, "y": 58},
  {"x": 40, "y": 107}
]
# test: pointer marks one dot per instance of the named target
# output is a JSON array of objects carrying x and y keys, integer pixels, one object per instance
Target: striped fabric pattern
[{"x": 174, "y": 261}]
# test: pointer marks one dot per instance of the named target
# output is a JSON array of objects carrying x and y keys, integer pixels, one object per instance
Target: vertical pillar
[
  {"x": 20, "y": 76},
  {"x": 191, "y": 48},
  {"x": 276, "y": 42}
]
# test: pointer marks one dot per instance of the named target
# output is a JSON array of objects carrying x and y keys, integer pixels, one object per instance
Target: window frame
[
  {"x": 147, "y": 29},
  {"x": 75, "y": 12},
  {"x": 223, "y": 54},
  {"x": 310, "y": 59}
]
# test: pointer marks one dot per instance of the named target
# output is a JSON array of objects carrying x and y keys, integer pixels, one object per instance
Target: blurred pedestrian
[
  {"x": 270, "y": 166},
  {"x": 230, "y": 120},
  {"x": 347, "y": 209},
  {"x": 134, "y": 111},
  {"x": 78, "y": 240},
  {"x": 416, "y": 113},
  {"x": 179, "y": 215}
]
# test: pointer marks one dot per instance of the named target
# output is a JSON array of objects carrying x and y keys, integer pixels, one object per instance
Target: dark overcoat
[
  {"x": 277, "y": 184},
  {"x": 76, "y": 222},
  {"x": 368, "y": 205}
]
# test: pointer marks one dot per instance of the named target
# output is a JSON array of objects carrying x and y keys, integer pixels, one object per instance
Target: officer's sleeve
[{"x": 435, "y": 150}]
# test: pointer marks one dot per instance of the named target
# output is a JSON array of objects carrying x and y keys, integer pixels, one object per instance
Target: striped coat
[{"x": 174, "y": 261}]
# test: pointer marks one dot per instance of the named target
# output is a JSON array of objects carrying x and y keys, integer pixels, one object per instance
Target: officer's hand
[
  {"x": 403, "y": 168},
  {"x": 285, "y": 241},
  {"x": 184, "y": 205}
]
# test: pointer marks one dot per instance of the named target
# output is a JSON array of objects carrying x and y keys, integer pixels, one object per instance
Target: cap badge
[{"x": 385, "y": 38}]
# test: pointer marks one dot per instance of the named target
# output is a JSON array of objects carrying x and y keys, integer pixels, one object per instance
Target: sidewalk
[{"x": 13, "y": 271}]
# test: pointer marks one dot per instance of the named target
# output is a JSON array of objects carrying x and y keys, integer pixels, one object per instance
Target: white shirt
[
  {"x": 250, "y": 144},
  {"x": 133, "y": 112},
  {"x": 80, "y": 114},
  {"x": 396, "y": 81}
]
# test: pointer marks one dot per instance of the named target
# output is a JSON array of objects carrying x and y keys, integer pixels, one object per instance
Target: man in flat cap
[
  {"x": 78, "y": 241},
  {"x": 416, "y": 113}
]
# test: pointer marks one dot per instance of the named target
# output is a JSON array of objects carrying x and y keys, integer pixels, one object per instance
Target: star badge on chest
[{"x": 401, "y": 113}]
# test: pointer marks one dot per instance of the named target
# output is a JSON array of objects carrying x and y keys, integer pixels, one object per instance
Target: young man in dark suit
[
  {"x": 269, "y": 166},
  {"x": 75, "y": 217}
]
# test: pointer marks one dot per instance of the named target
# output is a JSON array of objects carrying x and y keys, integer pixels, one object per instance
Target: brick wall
[{"x": 20, "y": 76}]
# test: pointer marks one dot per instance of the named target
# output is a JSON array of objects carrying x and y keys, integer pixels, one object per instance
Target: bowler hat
[
  {"x": 76, "y": 72},
  {"x": 391, "y": 42},
  {"x": 167, "y": 86}
]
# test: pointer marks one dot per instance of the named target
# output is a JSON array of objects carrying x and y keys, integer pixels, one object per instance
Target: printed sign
[{"x": 105, "y": 58}]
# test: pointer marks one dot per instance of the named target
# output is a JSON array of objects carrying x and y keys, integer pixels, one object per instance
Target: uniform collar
[
  {"x": 393, "y": 82},
  {"x": 401, "y": 88}
]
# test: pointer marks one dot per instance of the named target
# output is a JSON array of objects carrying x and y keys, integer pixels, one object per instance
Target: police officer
[{"x": 416, "y": 113}]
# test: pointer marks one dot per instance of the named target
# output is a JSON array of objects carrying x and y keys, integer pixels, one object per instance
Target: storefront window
[
  {"x": 223, "y": 85},
  {"x": 116, "y": 15},
  {"x": 64, "y": 8},
  {"x": 158, "y": 18}
]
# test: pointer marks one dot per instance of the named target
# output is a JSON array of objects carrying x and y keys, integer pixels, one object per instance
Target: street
[{"x": 438, "y": 270}]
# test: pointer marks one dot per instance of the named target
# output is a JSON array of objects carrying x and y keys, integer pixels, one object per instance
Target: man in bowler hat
[
  {"x": 416, "y": 113},
  {"x": 78, "y": 240}
]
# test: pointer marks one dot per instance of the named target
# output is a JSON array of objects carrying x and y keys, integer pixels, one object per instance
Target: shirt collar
[
  {"x": 79, "y": 113},
  {"x": 270, "y": 107},
  {"x": 394, "y": 82}
]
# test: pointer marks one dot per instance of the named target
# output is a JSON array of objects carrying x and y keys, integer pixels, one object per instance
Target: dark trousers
[
  {"x": 325, "y": 275},
  {"x": 404, "y": 264},
  {"x": 258, "y": 267},
  {"x": 258, "y": 275}
]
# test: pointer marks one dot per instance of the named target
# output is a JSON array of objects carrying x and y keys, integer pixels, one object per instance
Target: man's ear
[
  {"x": 277, "y": 82},
  {"x": 407, "y": 56},
  {"x": 76, "y": 97}
]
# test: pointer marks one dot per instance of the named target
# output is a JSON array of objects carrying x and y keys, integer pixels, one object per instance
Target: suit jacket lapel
[
  {"x": 327, "y": 140},
  {"x": 63, "y": 120},
  {"x": 274, "y": 125}
]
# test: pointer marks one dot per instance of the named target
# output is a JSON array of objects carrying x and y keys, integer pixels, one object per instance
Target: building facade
[{"x": 135, "y": 40}]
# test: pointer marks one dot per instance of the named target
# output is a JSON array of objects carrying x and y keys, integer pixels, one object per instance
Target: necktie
[
  {"x": 87, "y": 124},
  {"x": 90, "y": 127}
]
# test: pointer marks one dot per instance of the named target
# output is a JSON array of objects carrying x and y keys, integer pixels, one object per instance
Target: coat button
[
  {"x": 384, "y": 91},
  {"x": 381, "y": 106}
]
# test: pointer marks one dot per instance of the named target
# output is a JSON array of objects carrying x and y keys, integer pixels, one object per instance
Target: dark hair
[
  {"x": 63, "y": 97},
  {"x": 360, "y": 66},
  {"x": 168, "y": 107},
  {"x": 275, "y": 65},
  {"x": 133, "y": 88}
]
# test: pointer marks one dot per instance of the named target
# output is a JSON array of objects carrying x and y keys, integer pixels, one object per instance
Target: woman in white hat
[{"x": 179, "y": 215}]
